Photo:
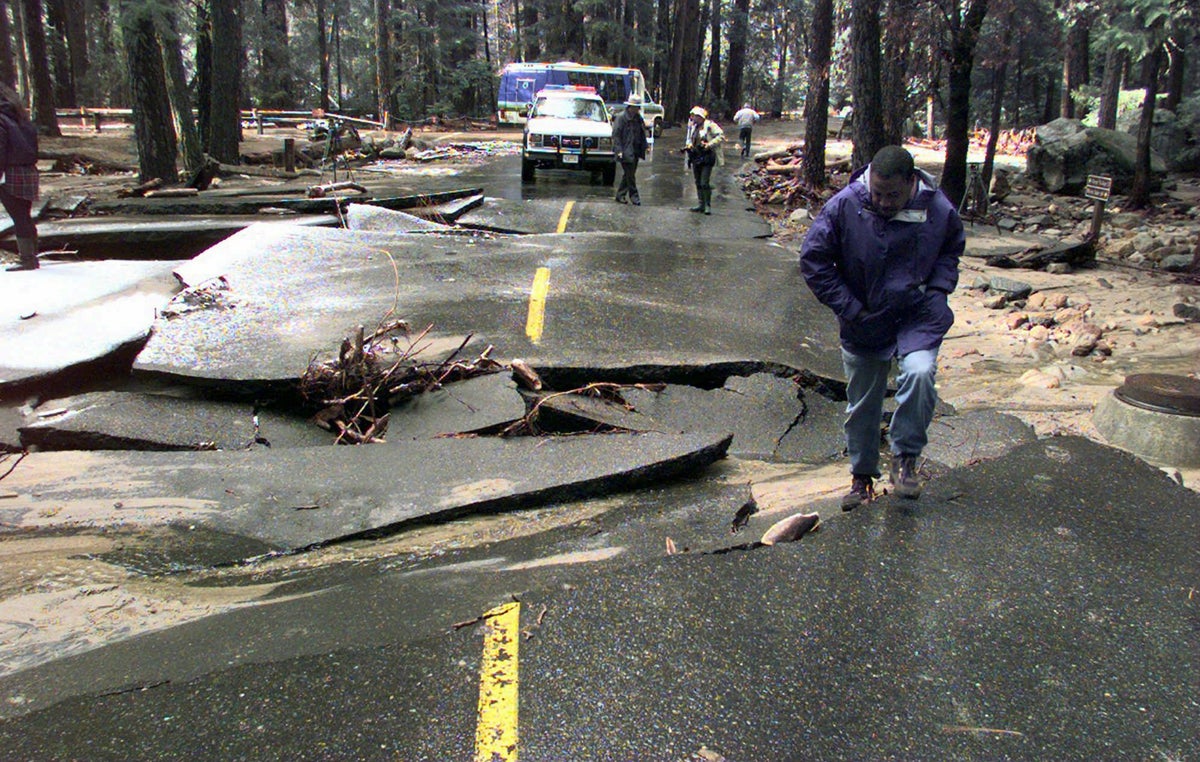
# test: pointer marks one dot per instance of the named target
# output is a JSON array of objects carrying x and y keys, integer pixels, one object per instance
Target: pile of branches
[
  {"x": 354, "y": 392},
  {"x": 778, "y": 179}
]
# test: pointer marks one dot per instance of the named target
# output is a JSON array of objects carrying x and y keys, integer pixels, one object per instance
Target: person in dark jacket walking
[
  {"x": 629, "y": 146},
  {"x": 19, "y": 181},
  {"x": 883, "y": 255}
]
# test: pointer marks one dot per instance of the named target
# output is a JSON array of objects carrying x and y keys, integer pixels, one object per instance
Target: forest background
[{"x": 187, "y": 68}]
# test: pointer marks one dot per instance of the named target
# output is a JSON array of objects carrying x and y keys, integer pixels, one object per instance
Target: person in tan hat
[
  {"x": 629, "y": 145},
  {"x": 702, "y": 154}
]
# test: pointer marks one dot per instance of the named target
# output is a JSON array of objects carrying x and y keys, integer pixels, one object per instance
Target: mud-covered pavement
[{"x": 678, "y": 630}]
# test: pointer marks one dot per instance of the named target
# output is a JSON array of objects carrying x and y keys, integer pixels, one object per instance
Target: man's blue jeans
[{"x": 866, "y": 387}]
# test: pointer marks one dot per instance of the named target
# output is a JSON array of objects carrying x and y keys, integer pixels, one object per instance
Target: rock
[
  {"x": 1188, "y": 312},
  {"x": 1121, "y": 248},
  {"x": 800, "y": 216},
  {"x": 1036, "y": 301},
  {"x": 1056, "y": 301},
  {"x": 1144, "y": 242},
  {"x": 1012, "y": 289},
  {"x": 997, "y": 302},
  {"x": 1059, "y": 268},
  {"x": 1176, "y": 263},
  {"x": 1039, "y": 333},
  {"x": 1007, "y": 223},
  {"x": 1040, "y": 220},
  {"x": 1125, "y": 220},
  {"x": 1042, "y": 379},
  {"x": 1015, "y": 320},
  {"x": 791, "y": 529},
  {"x": 1086, "y": 339},
  {"x": 1065, "y": 153}
]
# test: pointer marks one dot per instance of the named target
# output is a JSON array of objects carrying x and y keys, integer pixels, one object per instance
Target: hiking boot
[
  {"x": 904, "y": 476},
  {"x": 862, "y": 490}
]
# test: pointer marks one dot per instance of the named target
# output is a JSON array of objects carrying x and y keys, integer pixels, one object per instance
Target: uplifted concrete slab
[
  {"x": 64, "y": 315},
  {"x": 534, "y": 216},
  {"x": 984, "y": 241},
  {"x": 295, "y": 499},
  {"x": 614, "y": 301},
  {"x": 132, "y": 421},
  {"x": 962, "y": 439},
  {"x": 378, "y": 219},
  {"x": 173, "y": 237},
  {"x": 771, "y": 418},
  {"x": 475, "y": 404}
]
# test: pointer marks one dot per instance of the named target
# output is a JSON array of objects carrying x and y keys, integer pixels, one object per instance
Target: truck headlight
[
  {"x": 534, "y": 140},
  {"x": 606, "y": 144}
]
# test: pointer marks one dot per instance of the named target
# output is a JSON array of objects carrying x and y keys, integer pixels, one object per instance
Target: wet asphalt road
[{"x": 1042, "y": 605}]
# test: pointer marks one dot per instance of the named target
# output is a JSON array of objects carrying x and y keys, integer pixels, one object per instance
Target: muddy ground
[{"x": 57, "y": 597}]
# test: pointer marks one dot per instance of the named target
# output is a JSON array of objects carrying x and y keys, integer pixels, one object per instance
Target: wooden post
[
  {"x": 289, "y": 154},
  {"x": 1098, "y": 189},
  {"x": 98, "y": 118},
  {"x": 258, "y": 121}
]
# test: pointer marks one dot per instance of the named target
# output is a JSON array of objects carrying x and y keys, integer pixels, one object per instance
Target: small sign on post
[{"x": 1098, "y": 189}]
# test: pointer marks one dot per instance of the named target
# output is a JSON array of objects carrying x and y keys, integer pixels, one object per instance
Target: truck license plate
[{"x": 570, "y": 158}]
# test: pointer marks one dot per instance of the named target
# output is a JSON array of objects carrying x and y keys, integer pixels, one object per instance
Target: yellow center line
[
  {"x": 496, "y": 733},
  {"x": 566, "y": 214},
  {"x": 535, "y": 322}
]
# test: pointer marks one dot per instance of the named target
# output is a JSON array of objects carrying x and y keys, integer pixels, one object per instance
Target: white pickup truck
[{"x": 568, "y": 127}]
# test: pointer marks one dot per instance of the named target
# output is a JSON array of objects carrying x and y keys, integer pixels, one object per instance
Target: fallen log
[
  {"x": 1071, "y": 252},
  {"x": 140, "y": 189},
  {"x": 321, "y": 191},
  {"x": 65, "y": 161},
  {"x": 253, "y": 171},
  {"x": 172, "y": 193}
]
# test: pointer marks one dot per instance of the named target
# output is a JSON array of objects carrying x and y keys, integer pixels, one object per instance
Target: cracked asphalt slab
[{"x": 1035, "y": 606}]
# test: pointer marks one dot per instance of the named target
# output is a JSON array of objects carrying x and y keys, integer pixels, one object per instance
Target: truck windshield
[{"x": 569, "y": 108}]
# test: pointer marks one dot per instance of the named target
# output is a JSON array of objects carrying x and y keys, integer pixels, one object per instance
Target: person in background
[
  {"x": 19, "y": 180},
  {"x": 702, "y": 153},
  {"x": 883, "y": 255},
  {"x": 629, "y": 146},
  {"x": 745, "y": 120}
]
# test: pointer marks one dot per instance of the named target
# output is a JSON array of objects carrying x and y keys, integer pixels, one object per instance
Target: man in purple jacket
[{"x": 883, "y": 255}]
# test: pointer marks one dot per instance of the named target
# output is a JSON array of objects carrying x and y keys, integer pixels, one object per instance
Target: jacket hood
[{"x": 926, "y": 187}]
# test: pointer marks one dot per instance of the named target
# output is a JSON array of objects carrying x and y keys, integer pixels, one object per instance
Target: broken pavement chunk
[{"x": 791, "y": 529}]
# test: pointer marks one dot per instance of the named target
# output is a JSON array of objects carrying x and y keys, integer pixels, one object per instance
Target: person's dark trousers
[
  {"x": 628, "y": 186},
  {"x": 703, "y": 175},
  {"x": 744, "y": 138}
]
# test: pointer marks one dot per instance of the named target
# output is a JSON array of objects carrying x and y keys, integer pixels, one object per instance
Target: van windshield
[{"x": 571, "y": 108}]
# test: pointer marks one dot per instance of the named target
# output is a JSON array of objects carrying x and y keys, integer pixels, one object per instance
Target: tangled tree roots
[{"x": 353, "y": 393}]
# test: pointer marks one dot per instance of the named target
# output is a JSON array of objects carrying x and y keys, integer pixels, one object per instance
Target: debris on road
[{"x": 791, "y": 529}]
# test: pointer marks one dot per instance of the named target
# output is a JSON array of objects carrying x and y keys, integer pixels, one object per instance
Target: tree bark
[
  {"x": 1075, "y": 67},
  {"x": 685, "y": 62},
  {"x": 964, "y": 33},
  {"x": 8, "y": 69},
  {"x": 226, "y": 126},
  {"x": 1139, "y": 193},
  {"x": 177, "y": 90},
  {"x": 735, "y": 68},
  {"x": 383, "y": 58},
  {"x": 894, "y": 75},
  {"x": 784, "y": 31},
  {"x": 59, "y": 52},
  {"x": 39, "y": 69},
  {"x": 1177, "y": 68},
  {"x": 816, "y": 105},
  {"x": 1110, "y": 87},
  {"x": 999, "y": 77},
  {"x": 204, "y": 73},
  {"x": 151, "y": 108},
  {"x": 275, "y": 88},
  {"x": 865, "y": 81},
  {"x": 322, "y": 55},
  {"x": 714, "y": 59}
]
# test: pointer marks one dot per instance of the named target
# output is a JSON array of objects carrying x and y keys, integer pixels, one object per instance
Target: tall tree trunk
[
  {"x": 999, "y": 76},
  {"x": 735, "y": 69},
  {"x": 964, "y": 33},
  {"x": 8, "y": 67},
  {"x": 60, "y": 57},
  {"x": 151, "y": 107},
  {"x": 177, "y": 90},
  {"x": 894, "y": 74},
  {"x": 39, "y": 69},
  {"x": 533, "y": 45},
  {"x": 204, "y": 66},
  {"x": 662, "y": 52},
  {"x": 816, "y": 105},
  {"x": 1110, "y": 87},
  {"x": 322, "y": 55},
  {"x": 864, "y": 81},
  {"x": 77, "y": 47},
  {"x": 714, "y": 59},
  {"x": 275, "y": 88},
  {"x": 1139, "y": 193},
  {"x": 685, "y": 60},
  {"x": 1075, "y": 67},
  {"x": 1015, "y": 123},
  {"x": 1177, "y": 68},
  {"x": 784, "y": 32},
  {"x": 226, "y": 126},
  {"x": 1050, "y": 109},
  {"x": 383, "y": 58}
]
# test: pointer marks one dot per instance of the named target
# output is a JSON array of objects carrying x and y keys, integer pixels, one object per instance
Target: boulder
[{"x": 1065, "y": 152}]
